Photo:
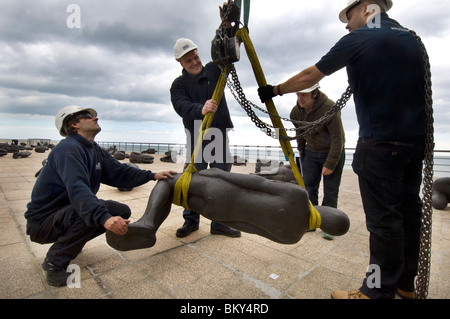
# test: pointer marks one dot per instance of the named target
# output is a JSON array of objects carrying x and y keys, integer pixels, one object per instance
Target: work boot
[
  {"x": 56, "y": 275},
  {"x": 219, "y": 229},
  {"x": 406, "y": 294},
  {"x": 186, "y": 230},
  {"x": 356, "y": 294}
]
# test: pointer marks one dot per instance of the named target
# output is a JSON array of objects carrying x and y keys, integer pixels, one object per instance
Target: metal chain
[
  {"x": 423, "y": 275},
  {"x": 239, "y": 95},
  {"x": 303, "y": 129},
  {"x": 306, "y": 129}
]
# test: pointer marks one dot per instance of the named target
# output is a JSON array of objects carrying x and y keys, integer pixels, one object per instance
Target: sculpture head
[{"x": 334, "y": 221}]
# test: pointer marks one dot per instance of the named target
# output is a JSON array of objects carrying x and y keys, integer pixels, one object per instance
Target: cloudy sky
[{"x": 120, "y": 61}]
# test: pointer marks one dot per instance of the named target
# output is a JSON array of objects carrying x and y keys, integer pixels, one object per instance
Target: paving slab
[{"x": 202, "y": 265}]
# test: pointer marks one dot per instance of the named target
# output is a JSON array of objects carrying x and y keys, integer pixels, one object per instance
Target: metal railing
[
  {"x": 160, "y": 148},
  {"x": 253, "y": 152},
  {"x": 441, "y": 166}
]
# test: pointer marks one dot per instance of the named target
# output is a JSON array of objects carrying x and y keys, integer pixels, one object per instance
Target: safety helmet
[
  {"x": 312, "y": 88},
  {"x": 352, "y": 3},
  {"x": 183, "y": 46},
  {"x": 63, "y": 114}
]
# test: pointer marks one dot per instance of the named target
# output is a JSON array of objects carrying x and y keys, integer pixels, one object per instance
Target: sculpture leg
[{"x": 142, "y": 234}]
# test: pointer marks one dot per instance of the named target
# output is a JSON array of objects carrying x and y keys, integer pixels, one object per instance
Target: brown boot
[
  {"x": 356, "y": 294},
  {"x": 406, "y": 294}
]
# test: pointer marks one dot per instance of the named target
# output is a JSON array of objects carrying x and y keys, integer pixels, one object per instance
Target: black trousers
[
  {"x": 69, "y": 232},
  {"x": 390, "y": 176}
]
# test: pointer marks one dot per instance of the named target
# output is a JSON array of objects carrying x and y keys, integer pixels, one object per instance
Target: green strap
[{"x": 246, "y": 12}]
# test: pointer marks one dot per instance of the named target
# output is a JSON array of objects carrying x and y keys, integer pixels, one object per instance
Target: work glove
[{"x": 265, "y": 93}]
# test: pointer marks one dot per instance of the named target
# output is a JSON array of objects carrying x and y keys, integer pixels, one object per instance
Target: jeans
[
  {"x": 69, "y": 232},
  {"x": 225, "y": 163},
  {"x": 390, "y": 175},
  {"x": 312, "y": 165}
]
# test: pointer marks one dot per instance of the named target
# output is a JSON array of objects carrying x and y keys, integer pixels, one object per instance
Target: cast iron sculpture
[{"x": 273, "y": 209}]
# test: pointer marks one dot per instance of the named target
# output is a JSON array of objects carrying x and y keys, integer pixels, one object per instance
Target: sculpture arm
[{"x": 252, "y": 182}]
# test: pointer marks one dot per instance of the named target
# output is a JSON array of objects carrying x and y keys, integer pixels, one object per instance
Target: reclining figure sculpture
[
  {"x": 273, "y": 209},
  {"x": 441, "y": 193}
]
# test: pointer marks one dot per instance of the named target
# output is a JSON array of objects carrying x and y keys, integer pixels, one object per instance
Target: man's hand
[
  {"x": 266, "y": 93},
  {"x": 165, "y": 175},
  {"x": 326, "y": 171},
  {"x": 117, "y": 225},
  {"x": 210, "y": 106}
]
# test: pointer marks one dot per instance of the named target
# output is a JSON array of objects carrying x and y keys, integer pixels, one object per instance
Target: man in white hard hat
[
  {"x": 386, "y": 72},
  {"x": 322, "y": 153},
  {"x": 191, "y": 95},
  {"x": 64, "y": 209}
]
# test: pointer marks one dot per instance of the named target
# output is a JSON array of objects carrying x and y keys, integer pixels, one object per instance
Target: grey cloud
[{"x": 121, "y": 60}]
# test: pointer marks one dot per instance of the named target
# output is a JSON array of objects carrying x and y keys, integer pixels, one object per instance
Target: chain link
[
  {"x": 423, "y": 274},
  {"x": 238, "y": 93},
  {"x": 303, "y": 129}
]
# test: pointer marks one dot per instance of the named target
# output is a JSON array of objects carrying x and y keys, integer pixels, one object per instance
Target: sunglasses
[{"x": 83, "y": 116}]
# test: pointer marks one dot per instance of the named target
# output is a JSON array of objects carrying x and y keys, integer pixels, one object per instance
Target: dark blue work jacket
[{"x": 189, "y": 94}]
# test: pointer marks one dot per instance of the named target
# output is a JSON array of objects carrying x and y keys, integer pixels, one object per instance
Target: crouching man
[{"x": 64, "y": 209}]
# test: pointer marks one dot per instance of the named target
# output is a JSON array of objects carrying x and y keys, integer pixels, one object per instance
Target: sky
[{"x": 117, "y": 57}]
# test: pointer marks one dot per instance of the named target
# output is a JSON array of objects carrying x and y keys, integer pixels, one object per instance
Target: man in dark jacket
[
  {"x": 64, "y": 208},
  {"x": 386, "y": 71},
  {"x": 191, "y": 95}
]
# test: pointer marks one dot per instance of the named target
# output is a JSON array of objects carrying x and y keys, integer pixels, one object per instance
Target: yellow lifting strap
[
  {"x": 180, "y": 195},
  {"x": 242, "y": 34},
  {"x": 181, "y": 188}
]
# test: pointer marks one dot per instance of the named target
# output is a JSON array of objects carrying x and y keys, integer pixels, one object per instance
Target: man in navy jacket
[
  {"x": 64, "y": 208},
  {"x": 386, "y": 71},
  {"x": 191, "y": 95}
]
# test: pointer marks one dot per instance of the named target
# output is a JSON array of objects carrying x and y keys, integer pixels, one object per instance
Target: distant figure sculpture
[
  {"x": 441, "y": 193},
  {"x": 273, "y": 209},
  {"x": 282, "y": 173}
]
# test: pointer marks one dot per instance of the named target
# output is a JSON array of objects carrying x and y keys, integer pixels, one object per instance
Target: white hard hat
[
  {"x": 312, "y": 88},
  {"x": 67, "y": 111},
  {"x": 352, "y": 3},
  {"x": 183, "y": 46}
]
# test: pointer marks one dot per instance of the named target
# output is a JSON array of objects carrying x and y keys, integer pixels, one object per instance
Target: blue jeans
[
  {"x": 390, "y": 175},
  {"x": 312, "y": 165}
]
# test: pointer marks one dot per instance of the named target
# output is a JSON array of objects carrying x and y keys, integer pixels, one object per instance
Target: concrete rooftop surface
[{"x": 201, "y": 265}]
